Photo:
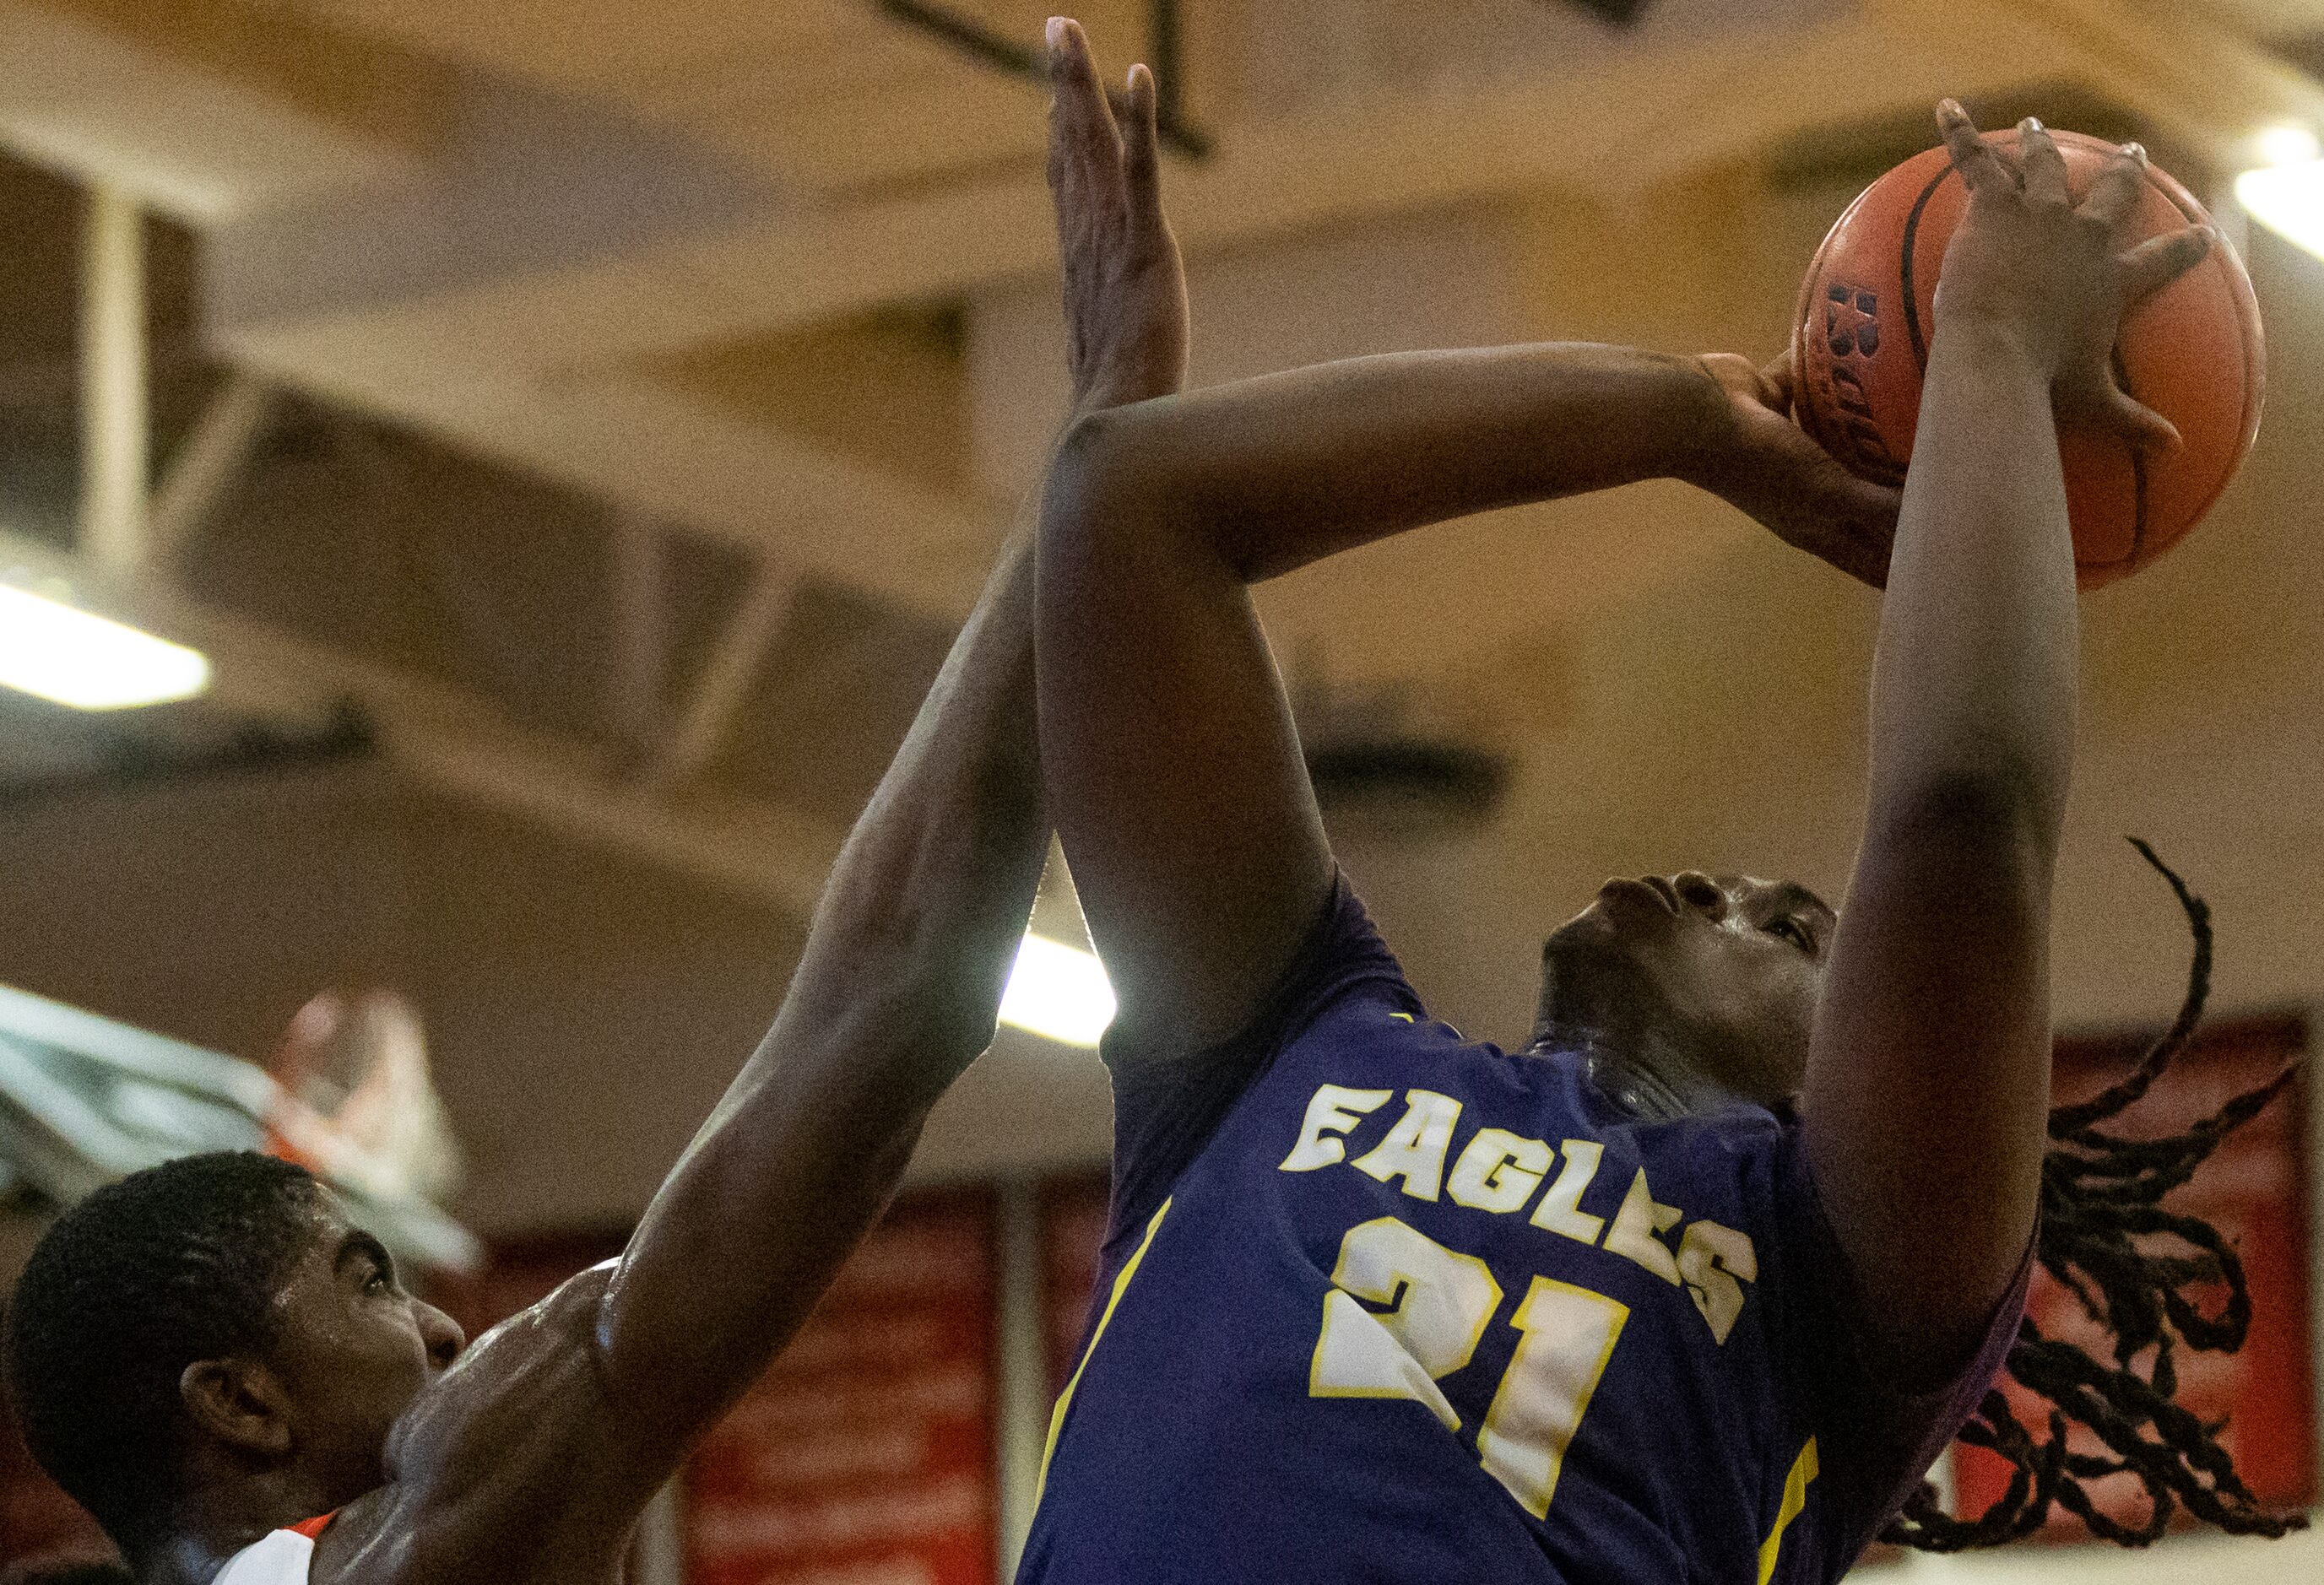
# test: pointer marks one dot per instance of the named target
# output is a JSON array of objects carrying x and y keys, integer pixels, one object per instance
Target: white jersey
[{"x": 280, "y": 1558}]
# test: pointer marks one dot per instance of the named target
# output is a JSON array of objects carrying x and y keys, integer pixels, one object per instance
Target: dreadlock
[{"x": 2101, "y": 1211}]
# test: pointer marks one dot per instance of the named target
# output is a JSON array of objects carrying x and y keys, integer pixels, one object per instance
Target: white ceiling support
[
  {"x": 522, "y": 293},
  {"x": 116, "y": 425},
  {"x": 524, "y": 365},
  {"x": 528, "y": 360},
  {"x": 529, "y": 183},
  {"x": 84, "y": 99},
  {"x": 1609, "y": 125},
  {"x": 460, "y": 745},
  {"x": 641, "y": 631},
  {"x": 726, "y": 677},
  {"x": 208, "y": 463},
  {"x": 644, "y": 446}
]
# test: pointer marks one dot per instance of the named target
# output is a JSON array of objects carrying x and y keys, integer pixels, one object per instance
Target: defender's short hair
[{"x": 172, "y": 1264}]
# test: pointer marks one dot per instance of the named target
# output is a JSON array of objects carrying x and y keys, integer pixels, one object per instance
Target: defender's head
[
  {"x": 211, "y": 1321},
  {"x": 1717, "y": 973}
]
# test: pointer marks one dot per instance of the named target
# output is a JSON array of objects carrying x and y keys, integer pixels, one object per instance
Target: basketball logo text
[{"x": 1851, "y": 329}]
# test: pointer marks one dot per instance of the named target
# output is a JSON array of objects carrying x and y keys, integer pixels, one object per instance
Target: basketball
[{"x": 2192, "y": 352}]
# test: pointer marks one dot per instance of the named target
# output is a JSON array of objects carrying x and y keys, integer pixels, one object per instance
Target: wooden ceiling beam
[{"x": 462, "y": 745}]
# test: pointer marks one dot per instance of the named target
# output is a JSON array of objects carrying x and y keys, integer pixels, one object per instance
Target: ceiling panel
[
  {"x": 826, "y": 93},
  {"x": 2270, "y": 19},
  {"x": 581, "y": 41}
]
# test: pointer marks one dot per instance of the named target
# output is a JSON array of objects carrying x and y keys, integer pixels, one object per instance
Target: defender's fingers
[
  {"x": 1141, "y": 139},
  {"x": 1980, "y": 169},
  {"x": 2159, "y": 261},
  {"x": 1081, "y": 119},
  {"x": 2114, "y": 196},
  {"x": 2042, "y": 168},
  {"x": 1062, "y": 118}
]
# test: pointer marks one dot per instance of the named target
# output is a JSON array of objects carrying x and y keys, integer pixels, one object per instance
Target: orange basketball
[{"x": 2192, "y": 352}]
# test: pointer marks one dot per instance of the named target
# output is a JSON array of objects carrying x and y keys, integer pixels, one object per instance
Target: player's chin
[{"x": 1597, "y": 976}]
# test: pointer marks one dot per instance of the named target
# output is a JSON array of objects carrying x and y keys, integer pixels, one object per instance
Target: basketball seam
[
  {"x": 2137, "y": 473},
  {"x": 2253, "y": 385},
  {"x": 2254, "y": 380},
  {"x": 1904, "y": 270}
]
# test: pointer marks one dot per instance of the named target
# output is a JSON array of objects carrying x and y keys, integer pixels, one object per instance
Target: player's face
[
  {"x": 352, "y": 1350},
  {"x": 1719, "y": 973}
]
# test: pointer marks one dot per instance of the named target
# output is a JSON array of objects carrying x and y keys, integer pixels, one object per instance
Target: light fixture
[
  {"x": 68, "y": 655},
  {"x": 2288, "y": 145},
  {"x": 2286, "y": 194},
  {"x": 1059, "y": 991}
]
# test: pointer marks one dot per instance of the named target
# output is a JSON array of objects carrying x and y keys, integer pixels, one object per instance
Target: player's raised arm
[
  {"x": 1928, "y": 1079},
  {"x": 1173, "y": 771}
]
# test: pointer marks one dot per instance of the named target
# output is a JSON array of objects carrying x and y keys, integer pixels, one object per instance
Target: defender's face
[
  {"x": 353, "y": 1348},
  {"x": 1725, "y": 969}
]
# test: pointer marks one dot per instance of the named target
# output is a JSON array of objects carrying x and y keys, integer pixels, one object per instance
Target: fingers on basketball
[
  {"x": 2159, "y": 261},
  {"x": 2135, "y": 422},
  {"x": 2114, "y": 194},
  {"x": 1981, "y": 169},
  {"x": 1779, "y": 378},
  {"x": 2102, "y": 404},
  {"x": 2041, "y": 166}
]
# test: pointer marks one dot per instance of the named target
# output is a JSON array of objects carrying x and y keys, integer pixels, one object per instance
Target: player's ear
[{"x": 240, "y": 1402}]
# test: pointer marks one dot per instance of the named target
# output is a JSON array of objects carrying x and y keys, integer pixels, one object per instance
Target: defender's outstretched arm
[
  {"x": 533, "y": 1450},
  {"x": 909, "y": 952}
]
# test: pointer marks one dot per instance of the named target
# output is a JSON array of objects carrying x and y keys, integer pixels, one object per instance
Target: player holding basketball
[
  {"x": 208, "y": 1354},
  {"x": 1696, "y": 1284}
]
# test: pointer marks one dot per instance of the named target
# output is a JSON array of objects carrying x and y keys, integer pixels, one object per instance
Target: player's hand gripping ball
[{"x": 2192, "y": 351}]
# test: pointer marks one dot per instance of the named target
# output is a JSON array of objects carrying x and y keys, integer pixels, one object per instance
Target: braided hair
[
  {"x": 172, "y": 1264},
  {"x": 2101, "y": 1209}
]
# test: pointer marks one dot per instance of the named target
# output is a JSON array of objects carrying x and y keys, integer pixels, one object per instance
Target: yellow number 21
[{"x": 1440, "y": 1303}]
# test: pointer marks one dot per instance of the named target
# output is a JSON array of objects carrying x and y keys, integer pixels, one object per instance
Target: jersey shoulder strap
[{"x": 280, "y": 1558}]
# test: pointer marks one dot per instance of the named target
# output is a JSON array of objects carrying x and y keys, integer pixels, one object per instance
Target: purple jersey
[{"x": 1382, "y": 1303}]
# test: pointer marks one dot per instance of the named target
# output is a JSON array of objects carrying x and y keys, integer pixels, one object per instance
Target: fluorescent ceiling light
[
  {"x": 71, "y": 657},
  {"x": 2286, "y": 195},
  {"x": 1059, "y": 991},
  {"x": 2289, "y": 146},
  {"x": 2288, "y": 200}
]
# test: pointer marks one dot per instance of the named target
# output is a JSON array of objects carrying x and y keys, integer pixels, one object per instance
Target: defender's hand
[
  {"x": 2051, "y": 277},
  {"x": 1125, "y": 288},
  {"x": 1762, "y": 462}
]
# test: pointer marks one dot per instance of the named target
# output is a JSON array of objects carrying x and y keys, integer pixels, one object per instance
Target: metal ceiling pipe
[
  {"x": 117, "y": 429},
  {"x": 205, "y": 464}
]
